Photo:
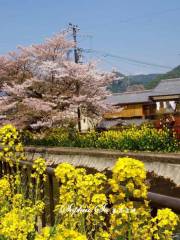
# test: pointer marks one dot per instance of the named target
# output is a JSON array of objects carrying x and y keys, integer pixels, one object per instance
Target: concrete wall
[{"x": 167, "y": 165}]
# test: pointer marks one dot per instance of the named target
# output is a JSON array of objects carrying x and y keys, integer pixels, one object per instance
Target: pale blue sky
[{"x": 146, "y": 30}]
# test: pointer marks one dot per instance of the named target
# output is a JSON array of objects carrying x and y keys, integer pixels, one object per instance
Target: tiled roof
[
  {"x": 164, "y": 88},
  {"x": 129, "y": 97},
  {"x": 167, "y": 87}
]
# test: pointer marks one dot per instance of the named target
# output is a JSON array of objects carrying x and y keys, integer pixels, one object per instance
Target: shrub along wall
[{"x": 145, "y": 138}]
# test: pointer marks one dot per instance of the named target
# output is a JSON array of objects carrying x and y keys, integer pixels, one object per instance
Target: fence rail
[
  {"x": 50, "y": 187},
  {"x": 50, "y": 193}
]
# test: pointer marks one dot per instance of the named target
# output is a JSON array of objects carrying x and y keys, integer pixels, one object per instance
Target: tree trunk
[{"x": 79, "y": 119}]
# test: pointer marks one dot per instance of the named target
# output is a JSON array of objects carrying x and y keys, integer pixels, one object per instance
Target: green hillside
[
  {"x": 143, "y": 79},
  {"x": 175, "y": 73},
  {"x": 149, "y": 81},
  {"x": 123, "y": 82}
]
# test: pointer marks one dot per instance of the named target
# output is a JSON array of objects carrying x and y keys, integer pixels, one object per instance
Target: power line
[
  {"x": 116, "y": 67},
  {"x": 131, "y": 60},
  {"x": 103, "y": 58}
]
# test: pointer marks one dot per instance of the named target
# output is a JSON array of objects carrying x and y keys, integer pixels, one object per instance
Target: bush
[
  {"x": 139, "y": 139},
  {"x": 145, "y": 138}
]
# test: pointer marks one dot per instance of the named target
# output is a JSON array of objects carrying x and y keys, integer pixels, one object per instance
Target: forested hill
[
  {"x": 147, "y": 81},
  {"x": 175, "y": 73},
  {"x": 125, "y": 82}
]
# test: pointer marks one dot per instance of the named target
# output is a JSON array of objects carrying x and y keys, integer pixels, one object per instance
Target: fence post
[{"x": 51, "y": 198}]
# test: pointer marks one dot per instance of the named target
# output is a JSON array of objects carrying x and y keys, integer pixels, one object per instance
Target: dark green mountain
[
  {"x": 148, "y": 81},
  {"x": 124, "y": 82},
  {"x": 143, "y": 79},
  {"x": 175, "y": 73}
]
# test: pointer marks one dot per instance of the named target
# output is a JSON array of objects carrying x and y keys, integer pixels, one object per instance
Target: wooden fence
[{"x": 50, "y": 188}]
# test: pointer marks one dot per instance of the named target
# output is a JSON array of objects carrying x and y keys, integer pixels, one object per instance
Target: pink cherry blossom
[{"x": 42, "y": 80}]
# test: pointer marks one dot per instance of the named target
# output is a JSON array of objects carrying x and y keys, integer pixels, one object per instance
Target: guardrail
[{"x": 50, "y": 191}]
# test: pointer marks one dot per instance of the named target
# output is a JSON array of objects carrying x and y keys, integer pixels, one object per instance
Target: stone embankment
[{"x": 163, "y": 164}]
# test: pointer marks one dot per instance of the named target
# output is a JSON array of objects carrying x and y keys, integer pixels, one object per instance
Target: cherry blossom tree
[{"x": 44, "y": 86}]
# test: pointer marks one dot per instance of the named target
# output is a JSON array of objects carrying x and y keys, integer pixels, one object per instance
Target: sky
[{"x": 141, "y": 30}]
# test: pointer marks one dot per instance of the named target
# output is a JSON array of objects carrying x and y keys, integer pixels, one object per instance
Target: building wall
[
  {"x": 128, "y": 111},
  {"x": 149, "y": 110}
]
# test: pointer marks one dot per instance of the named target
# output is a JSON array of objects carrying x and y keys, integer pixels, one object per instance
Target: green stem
[{"x": 129, "y": 228}]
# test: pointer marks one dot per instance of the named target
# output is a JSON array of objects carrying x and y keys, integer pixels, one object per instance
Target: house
[
  {"x": 140, "y": 106},
  {"x": 131, "y": 105},
  {"x": 166, "y": 95}
]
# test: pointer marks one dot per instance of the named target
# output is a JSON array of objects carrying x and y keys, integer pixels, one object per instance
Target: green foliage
[
  {"x": 54, "y": 137},
  {"x": 148, "y": 80},
  {"x": 123, "y": 82},
  {"x": 175, "y": 73},
  {"x": 145, "y": 138}
]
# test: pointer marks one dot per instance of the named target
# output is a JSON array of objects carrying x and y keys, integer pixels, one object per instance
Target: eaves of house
[{"x": 166, "y": 90}]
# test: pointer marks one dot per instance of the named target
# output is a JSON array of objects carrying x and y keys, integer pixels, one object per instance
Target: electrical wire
[{"x": 131, "y": 60}]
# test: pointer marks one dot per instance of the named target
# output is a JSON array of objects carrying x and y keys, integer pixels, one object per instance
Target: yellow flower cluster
[
  {"x": 64, "y": 172},
  {"x": 131, "y": 218},
  {"x": 5, "y": 195},
  {"x": 18, "y": 215},
  {"x": 12, "y": 150},
  {"x": 81, "y": 211},
  {"x": 128, "y": 179},
  {"x": 102, "y": 235},
  {"x": 85, "y": 194},
  {"x": 59, "y": 233},
  {"x": 164, "y": 224},
  {"x": 145, "y": 138},
  {"x": 5, "y": 190},
  {"x": 9, "y": 135},
  {"x": 39, "y": 165},
  {"x": 18, "y": 222},
  {"x": 18, "y": 219}
]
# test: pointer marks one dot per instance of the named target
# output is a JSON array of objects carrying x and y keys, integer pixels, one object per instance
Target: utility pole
[
  {"x": 76, "y": 59},
  {"x": 74, "y": 32}
]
